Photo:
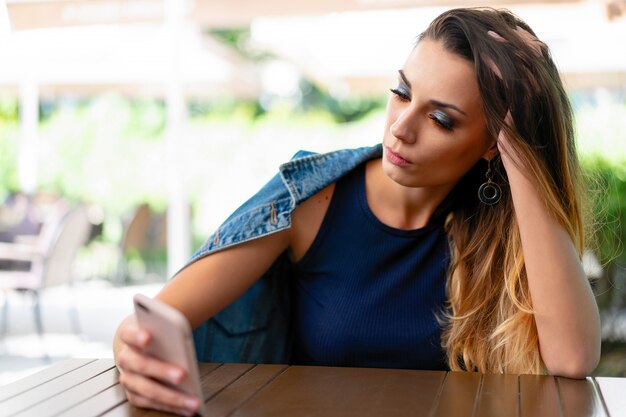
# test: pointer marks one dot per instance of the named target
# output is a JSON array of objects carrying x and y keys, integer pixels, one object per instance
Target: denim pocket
[
  {"x": 253, "y": 329},
  {"x": 250, "y": 313}
]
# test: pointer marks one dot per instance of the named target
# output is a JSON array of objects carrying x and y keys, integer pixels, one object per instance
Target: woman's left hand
[{"x": 565, "y": 311}]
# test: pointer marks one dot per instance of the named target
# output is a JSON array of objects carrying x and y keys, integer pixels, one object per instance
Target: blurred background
[{"x": 130, "y": 129}]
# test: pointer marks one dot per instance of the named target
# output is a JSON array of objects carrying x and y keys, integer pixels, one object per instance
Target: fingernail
[
  {"x": 141, "y": 338},
  {"x": 191, "y": 403},
  {"x": 495, "y": 35},
  {"x": 175, "y": 375}
]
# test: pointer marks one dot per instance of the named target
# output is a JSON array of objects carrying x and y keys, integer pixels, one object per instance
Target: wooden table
[{"x": 89, "y": 387}]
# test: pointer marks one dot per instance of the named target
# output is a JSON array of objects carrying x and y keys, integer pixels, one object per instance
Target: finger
[
  {"x": 530, "y": 40},
  {"x": 130, "y": 333},
  {"x": 502, "y": 135},
  {"x": 146, "y": 392},
  {"x": 496, "y": 36},
  {"x": 492, "y": 65},
  {"x": 142, "y": 402},
  {"x": 507, "y": 151},
  {"x": 134, "y": 361},
  {"x": 508, "y": 119}
]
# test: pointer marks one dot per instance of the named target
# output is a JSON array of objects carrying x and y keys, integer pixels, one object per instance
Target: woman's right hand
[
  {"x": 199, "y": 291},
  {"x": 145, "y": 377}
]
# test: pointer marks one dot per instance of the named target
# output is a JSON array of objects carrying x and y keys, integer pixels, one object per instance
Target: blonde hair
[{"x": 489, "y": 325}]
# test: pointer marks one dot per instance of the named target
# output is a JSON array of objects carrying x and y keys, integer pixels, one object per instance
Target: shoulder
[
  {"x": 307, "y": 220},
  {"x": 308, "y": 173},
  {"x": 318, "y": 202}
]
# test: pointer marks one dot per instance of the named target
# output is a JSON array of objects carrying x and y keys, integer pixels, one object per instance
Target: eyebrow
[{"x": 433, "y": 102}]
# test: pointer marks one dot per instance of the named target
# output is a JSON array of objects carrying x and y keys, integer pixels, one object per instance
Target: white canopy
[
  {"x": 125, "y": 55},
  {"x": 342, "y": 43},
  {"x": 363, "y": 50}
]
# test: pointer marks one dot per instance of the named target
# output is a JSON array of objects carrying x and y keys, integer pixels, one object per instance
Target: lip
[{"x": 395, "y": 158}]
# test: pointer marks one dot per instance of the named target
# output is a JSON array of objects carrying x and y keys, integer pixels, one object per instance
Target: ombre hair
[{"x": 489, "y": 325}]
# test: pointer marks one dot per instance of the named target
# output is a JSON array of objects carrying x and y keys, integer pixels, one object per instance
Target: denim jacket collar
[
  {"x": 306, "y": 173},
  {"x": 269, "y": 210}
]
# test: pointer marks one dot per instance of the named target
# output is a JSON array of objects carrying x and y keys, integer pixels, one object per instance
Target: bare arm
[
  {"x": 199, "y": 292},
  {"x": 205, "y": 287},
  {"x": 566, "y": 313}
]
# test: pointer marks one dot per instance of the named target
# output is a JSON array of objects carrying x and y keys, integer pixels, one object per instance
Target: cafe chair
[
  {"x": 134, "y": 237},
  {"x": 145, "y": 232},
  {"x": 50, "y": 260}
]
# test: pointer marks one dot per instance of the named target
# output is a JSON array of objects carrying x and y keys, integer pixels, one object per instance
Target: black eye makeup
[
  {"x": 403, "y": 90},
  {"x": 402, "y": 93},
  {"x": 442, "y": 119}
]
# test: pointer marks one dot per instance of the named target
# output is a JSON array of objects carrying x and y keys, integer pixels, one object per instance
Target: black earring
[{"x": 489, "y": 192}]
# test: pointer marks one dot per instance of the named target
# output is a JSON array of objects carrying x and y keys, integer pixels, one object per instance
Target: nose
[{"x": 404, "y": 127}]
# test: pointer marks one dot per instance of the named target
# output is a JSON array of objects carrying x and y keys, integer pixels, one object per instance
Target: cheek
[
  {"x": 456, "y": 157},
  {"x": 465, "y": 157}
]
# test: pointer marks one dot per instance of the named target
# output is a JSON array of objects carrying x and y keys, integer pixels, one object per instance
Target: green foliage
[
  {"x": 602, "y": 137},
  {"x": 146, "y": 120},
  {"x": 609, "y": 205},
  {"x": 350, "y": 109},
  {"x": 239, "y": 40},
  {"x": 602, "y": 145},
  {"x": 613, "y": 360},
  {"x": 107, "y": 151},
  {"x": 8, "y": 110},
  {"x": 231, "y": 110},
  {"x": 9, "y": 134},
  {"x": 608, "y": 190},
  {"x": 313, "y": 105}
]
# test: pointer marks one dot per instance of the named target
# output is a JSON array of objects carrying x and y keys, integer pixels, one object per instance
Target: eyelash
[
  {"x": 439, "y": 117},
  {"x": 442, "y": 119},
  {"x": 400, "y": 94}
]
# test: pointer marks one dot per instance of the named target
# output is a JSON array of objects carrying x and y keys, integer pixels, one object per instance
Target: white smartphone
[{"x": 172, "y": 341}]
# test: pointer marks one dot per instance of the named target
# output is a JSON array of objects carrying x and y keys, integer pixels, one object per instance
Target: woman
[{"x": 454, "y": 245}]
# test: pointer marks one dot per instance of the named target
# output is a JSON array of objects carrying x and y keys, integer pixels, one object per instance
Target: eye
[
  {"x": 401, "y": 94},
  {"x": 442, "y": 119}
]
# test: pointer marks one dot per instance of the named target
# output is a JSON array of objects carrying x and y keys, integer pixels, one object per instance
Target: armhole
[{"x": 312, "y": 215}]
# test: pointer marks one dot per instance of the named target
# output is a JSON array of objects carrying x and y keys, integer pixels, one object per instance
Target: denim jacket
[{"x": 255, "y": 328}]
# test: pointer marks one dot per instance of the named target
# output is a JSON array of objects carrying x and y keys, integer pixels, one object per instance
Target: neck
[{"x": 398, "y": 206}]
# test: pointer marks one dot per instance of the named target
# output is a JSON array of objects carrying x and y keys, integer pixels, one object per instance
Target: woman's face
[{"x": 435, "y": 129}]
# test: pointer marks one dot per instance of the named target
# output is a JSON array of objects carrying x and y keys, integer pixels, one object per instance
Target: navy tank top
[{"x": 366, "y": 294}]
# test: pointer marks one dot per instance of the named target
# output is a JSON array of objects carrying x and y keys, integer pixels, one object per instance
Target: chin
[{"x": 399, "y": 176}]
